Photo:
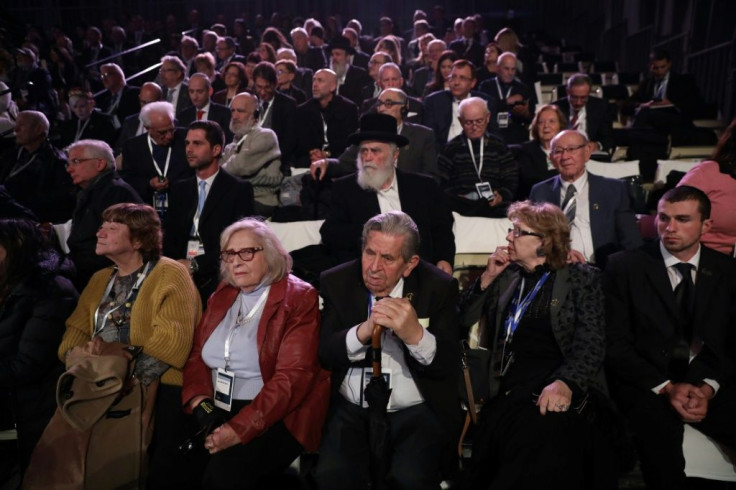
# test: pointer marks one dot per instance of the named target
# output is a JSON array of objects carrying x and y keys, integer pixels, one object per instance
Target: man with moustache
[
  {"x": 380, "y": 187},
  {"x": 254, "y": 154},
  {"x": 173, "y": 76},
  {"x": 203, "y": 206},
  {"x": 350, "y": 79}
]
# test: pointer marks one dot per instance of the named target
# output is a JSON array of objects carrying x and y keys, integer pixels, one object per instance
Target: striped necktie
[{"x": 569, "y": 204}]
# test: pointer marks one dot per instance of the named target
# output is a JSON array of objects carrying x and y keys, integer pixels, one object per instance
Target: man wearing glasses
[
  {"x": 478, "y": 172},
  {"x": 176, "y": 90},
  {"x": 587, "y": 114},
  {"x": 389, "y": 76},
  {"x": 597, "y": 208}
]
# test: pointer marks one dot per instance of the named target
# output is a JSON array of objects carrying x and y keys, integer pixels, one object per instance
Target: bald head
[
  {"x": 150, "y": 92},
  {"x": 507, "y": 67},
  {"x": 324, "y": 85},
  {"x": 243, "y": 113}
]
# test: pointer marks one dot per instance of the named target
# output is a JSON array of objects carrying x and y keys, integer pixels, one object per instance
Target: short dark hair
[
  {"x": 689, "y": 193},
  {"x": 266, "y": 71},
  {"x": 579, "y": 79},
  {"x": 212, "y": 132},
  {"x": 463, "y": 63},
  {"x": 142, "y": 222},
  {"x": 660, "y": 55}
]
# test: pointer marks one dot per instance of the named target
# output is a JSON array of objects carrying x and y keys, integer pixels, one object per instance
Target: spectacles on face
[
  {"x": 106, "y": 75},
  {"x": 245, "y": 254},
  {"x": 517, "y": 232},
  {"x": 78, "y": 161},
  {"x": 388, "y": 103},
  {"x": 558, "y": 152},
  {"x": 473, "y": 122}
]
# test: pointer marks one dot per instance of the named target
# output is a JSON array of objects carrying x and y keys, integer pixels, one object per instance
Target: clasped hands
[
  {"x": 688, "y": 400},
  {"x": 396, "y": 314}
]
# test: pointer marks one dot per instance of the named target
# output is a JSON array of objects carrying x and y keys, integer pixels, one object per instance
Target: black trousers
[
  {"x": 658, "y": 431},
  {"x": 416, "y": 441}
]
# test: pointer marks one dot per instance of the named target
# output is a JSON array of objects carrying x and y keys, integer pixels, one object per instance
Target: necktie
[
  {"x": 574, "y": 120},
  {"x": 199, "y": 115},
  {"x": 170, "y": 95},
  {"x": 569, "y": 204},
  {"x": 265, "y": 107},
  {"x": 685, "y": 296},
  {"x": 200, "y": 206}
]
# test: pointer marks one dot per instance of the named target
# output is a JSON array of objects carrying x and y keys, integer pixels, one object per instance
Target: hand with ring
[{"x": 555, "y": 397}]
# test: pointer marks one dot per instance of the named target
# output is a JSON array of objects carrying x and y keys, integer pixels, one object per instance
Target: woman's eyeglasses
[
  {"x": 245, "y": 254},
  {"x": 517, "y": 232}
]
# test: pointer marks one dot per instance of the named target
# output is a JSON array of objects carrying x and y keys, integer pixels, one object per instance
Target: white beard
[
  {"x": 240, "y": 129},
  {"x": 371, "y": 177}
]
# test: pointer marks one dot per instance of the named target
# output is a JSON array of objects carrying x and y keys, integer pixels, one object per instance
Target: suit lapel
[
  {"x": 706, "y": 280},
  {"x": 656, "y": 272},
  {"x": 213, "y": 196}
]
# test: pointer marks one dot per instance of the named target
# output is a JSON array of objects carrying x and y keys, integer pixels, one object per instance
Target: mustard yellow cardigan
[{"x": 162, "y": 321}]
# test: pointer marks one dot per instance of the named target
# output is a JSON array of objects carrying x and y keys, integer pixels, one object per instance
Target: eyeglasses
[
  {"x": 517, "y": 232},
  {"x": 473, "y": 122},
  {"x": 558, "y": 152},
  {"x": 245, "y": 254},
  {"x": 388, "y": 103},
  {"x": 78, "y": 161}
]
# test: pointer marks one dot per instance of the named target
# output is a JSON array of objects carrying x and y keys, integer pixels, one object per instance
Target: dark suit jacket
[
  {"x": 361, "y": 59},
  {"x": 532, "y": 167},
  {"x": 433, "y": 295},
  {"x": 99, "y": 128},
  {"x": 138, "y": 169},
  {"x": 283, "y": 123},
  {"x": 681, "y": 91},
  {"x": 127, "y": 131},
  {"x": 438, "y": 114},
  {"x": 182, "y": 99},
  {"x": 129, "y": 103},
  {"x": 474, "y": 53},
  {"x": 422, "y": 76},
  {"x": 576, "y": 314},
  {"x": 218, "y": 113},
  {"x": 644, "y": 321},
  {"x": 355, "y": 79},
  {"x": 518, "y": 127},
  {"x": 414, "y": 115},
  {"x": 612, "y": 221},
  {"x": 303, "y": 80},
  {"x": 598, "y": 120},
  {"x": 341, "y": 116},
  {"x": 229, "y": 199},
  {"x": 314, "y": 59},
  {"x": 420, "y": 198}
]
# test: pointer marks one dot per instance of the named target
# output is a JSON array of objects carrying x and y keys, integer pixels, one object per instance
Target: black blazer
[
  {"x": 218, "y": 113},
  {"x": 229, "y": 199},
  {"x": 532, "y": 167},
  {"x": 598, "y": 120},
  {"x": 283, "y": 123},
  {"x": 361, "y": 60},
  {"x": 138, "y": 169},
  {"x": 314, "y": 59},
  {"x": 420, "y": 198},
  {"x": 355, "y": 79},
  {"x": 182, "y": 99},
  {"x": 127, "y": 131},
  {"x": 434, "y": 297},
  {"x": 129, "y": 103},
  {"x": 643, "y": 319},
  {"x": 99, "y": 128},
  {"x": 682, "y": 91},
  {"x": 474, "y": 53},
  {"x": 415, "y": 113},
  {"x": 341, "y": 116}
]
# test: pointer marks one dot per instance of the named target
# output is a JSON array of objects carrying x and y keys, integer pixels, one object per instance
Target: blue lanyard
[{"x": 520, "y": 305}]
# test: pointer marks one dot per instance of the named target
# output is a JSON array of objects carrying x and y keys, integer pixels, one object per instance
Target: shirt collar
[
  {"x": 209, "y": 179},
  {"x": 579, "y": 184},
  {"x": 670, "y": 260}
]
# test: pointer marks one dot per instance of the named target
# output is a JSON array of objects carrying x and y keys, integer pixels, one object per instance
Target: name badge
[
  {"x": 195, "y": 248},
  {"x": 502, "y": 118},
  {"x": 485, "y": 191},
  {"x": 224, "y": 389},
  {"x": 367, "y": 375}
]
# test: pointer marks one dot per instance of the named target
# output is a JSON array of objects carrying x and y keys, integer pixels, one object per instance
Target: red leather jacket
[{"x": 296, "y": 389}]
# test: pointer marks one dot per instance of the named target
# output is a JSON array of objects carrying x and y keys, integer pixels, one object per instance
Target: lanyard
[
  {"x": 155, "y": 164},
  {"x": 81, "y": 129},
  {"x": 520, "y": 305},
  {"x": 324, "y": 132},
  {"x": 500, "y": 94},
  {"x": 241, "y": 321},
  {"x": 239, "y": 145},
  {"x": 266, "y": 112},
  {"x": 115, "y": 105},
  {"x": 128, "y": 300},
  {"x": 477, "y": 166},
  {"x": 17, "y": 170}
]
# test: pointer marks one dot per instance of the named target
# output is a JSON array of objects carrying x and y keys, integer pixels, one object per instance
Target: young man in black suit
[
  {"x": 669, "y": 319},
  {"x": 201, "y": 207},
  {"x": 587, "y": 114},
  {"x": 202, "y": 108},
  {"x": 419, "y": 352}
]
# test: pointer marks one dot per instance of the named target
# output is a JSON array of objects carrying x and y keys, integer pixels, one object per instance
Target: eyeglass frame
[
  {"x": 521, "y": 232},
  {"x": 569, "y": 149},
  {"x": 225, "y": 254},
  {"x": 78, "y": 161},
  {"x": 388, "y": 103}
]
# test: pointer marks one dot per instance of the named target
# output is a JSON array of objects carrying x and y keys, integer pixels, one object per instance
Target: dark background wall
[{"x": 700, "y": 34}]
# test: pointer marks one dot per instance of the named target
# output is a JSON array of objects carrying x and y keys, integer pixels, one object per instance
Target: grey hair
[
  {"x": 289, "y": 51},
  {"x": 437, "y": 41},
  {"x": 299, "y": 30},
  {"x": 473, "y": 101},
  {"x": 579, "y": 79},
  {"x": 189, "y": 40},
  {"x": 95, "y": 149},
  {"x": 581, "y": 135},
  {"x": 395, "y": 223},
  {"x": 161, "y": 107},
  {"x": 506, "y": 54},
  {"x": 387, "y": 65},
  {"x": 400, "y": 93},
  {"x": 38, "y": 119},
  {"x": 278, "y": 260},
  {"x": 175, "y": 61}
]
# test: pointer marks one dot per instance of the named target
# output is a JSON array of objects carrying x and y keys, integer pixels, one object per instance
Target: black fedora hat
[
  {"x": 341, "y": 42},
  {"x": 378, "y": 127}
]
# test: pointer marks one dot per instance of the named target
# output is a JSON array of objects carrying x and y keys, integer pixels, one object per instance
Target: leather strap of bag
[{"x": 469, "y": 390}]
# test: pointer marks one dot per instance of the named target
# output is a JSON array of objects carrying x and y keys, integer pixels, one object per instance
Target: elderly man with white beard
[
  {"x": 379, "y": 187},
  {"x": 254, "y": 154}
]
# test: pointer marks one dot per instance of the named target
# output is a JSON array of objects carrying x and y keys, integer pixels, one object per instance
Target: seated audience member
[
  {"x": 254, "y": 154},
  {"x": 372, "y": 88},
  {"x": 31, "y": 84},
  {"x": 205, "y": 64},
  {"x": 441, "y": 78},
  {"x": 202, "y": 108},
  {"x": 307, "y": 56},
  {"x": 598, "y": 208},
  {"x": 303, "y": 77},
  {"x": 251, "y": 61},
  {"x": 33, "y": 172},
  {"x": 8, "y": 116},
  {"x": 325, "y": 121},
  {"x": 350, "y": 79},
  {"x": 426, "y": 74},
  {"x": 389, "y": 76},
  {"x": 156, "y": 159},
  {"x": 205, "y": 205},
  {"x": 133, "y": 125},
  {"x": 442, "y": 109},
  {"x": 390, "y": 45},
  {"x": 717, "y": 178},
  {"x": 419, "y": 348},
  {"x": 279, "y": 393},
  {"x": 546, "y": 354},
  {"x": 533, "y": 157},
  {"x": 420, "y": 156},
  {"x": 587, "y": 114},
  {"x": 421, "y": 59},
  {"x": 490, "y": 63},
  {"x": 267, "y": 52},
  {"x": 510, "y": 100},
  {"x": 36, "y": 297},
  {"x": 188, "y": 50},
  {"x": 285, "y": 74},
  {"x": 468, "y": 47},
  {"x": 92, "y": 168},
  {"x": 379, "y": 187},
  {"x": 276, "y": 110},
  {"x": 86, "y": 123},
  {"x": 669, "y": 355},
  {"x": 152, "y": 304},
  {"x": 477, "y": 171},
  {"x": 119, "y": 100},
  {"x": 173, "y": 76},
  {"x": 225, "y": 48},
  {"x": 236, "y": 81}
]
